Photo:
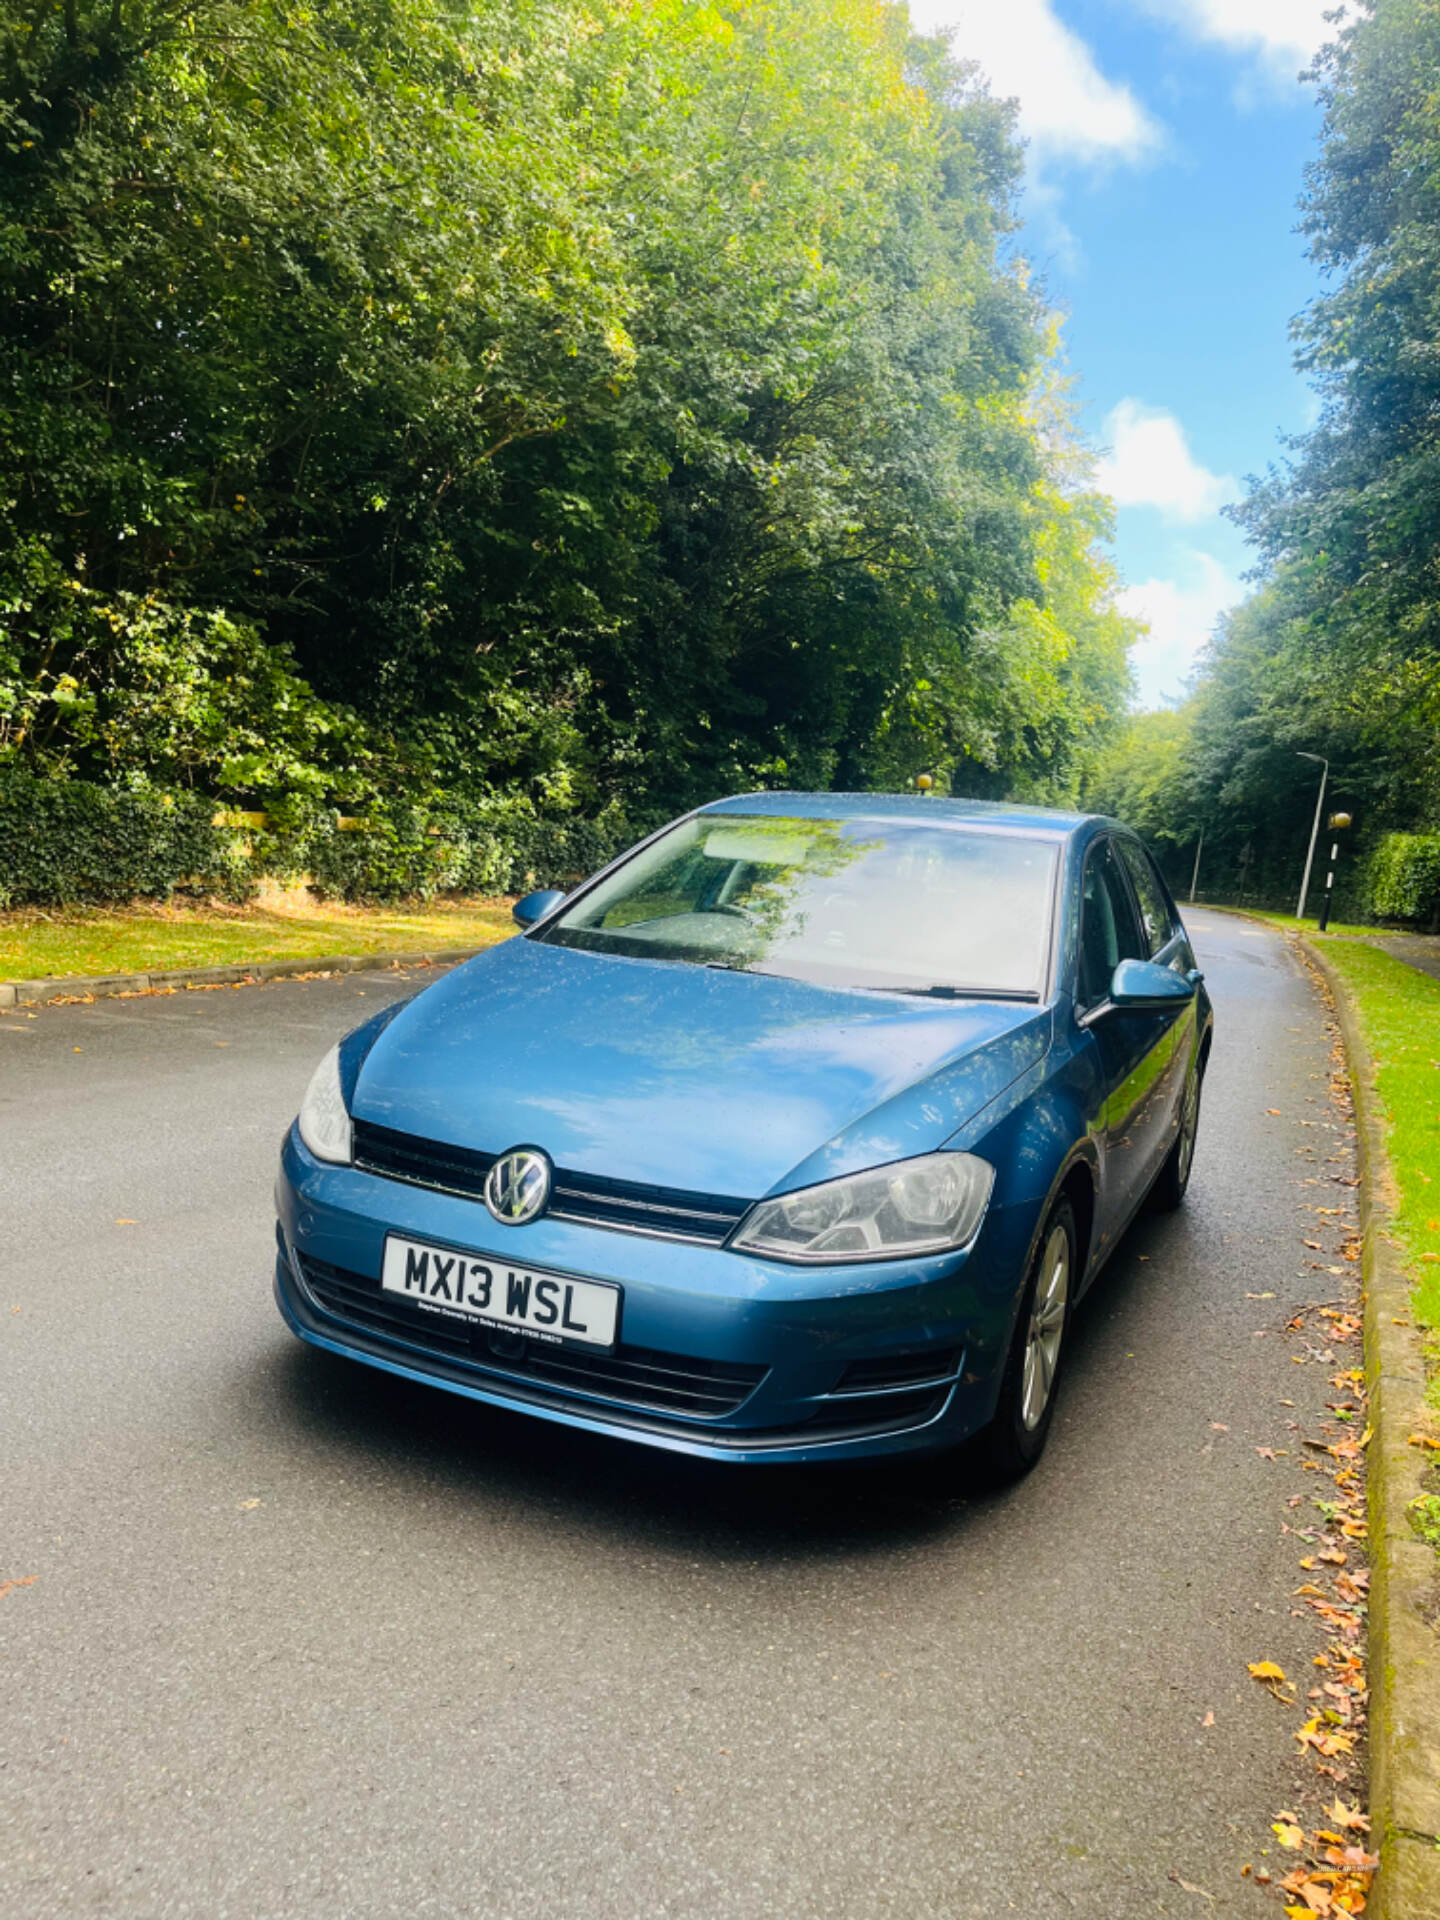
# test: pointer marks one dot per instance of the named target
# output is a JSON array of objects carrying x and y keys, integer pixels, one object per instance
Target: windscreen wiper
[{"x": 965, "y": 993}]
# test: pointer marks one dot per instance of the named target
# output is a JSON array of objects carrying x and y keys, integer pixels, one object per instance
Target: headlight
[
  {"x": 911, "y": 1207},
  {"x": 324, "y": 1120}
]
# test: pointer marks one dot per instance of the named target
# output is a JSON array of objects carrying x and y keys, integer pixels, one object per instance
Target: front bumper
[{"x": 789, "y": 1363}]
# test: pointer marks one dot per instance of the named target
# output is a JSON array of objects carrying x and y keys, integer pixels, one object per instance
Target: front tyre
[
  {"x": 1016, "y": 1437},
  {"x": 1174, "y": 1176}
]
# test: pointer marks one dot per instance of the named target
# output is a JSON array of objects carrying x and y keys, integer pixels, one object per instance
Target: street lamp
[{"x": 1314, "y": 831}]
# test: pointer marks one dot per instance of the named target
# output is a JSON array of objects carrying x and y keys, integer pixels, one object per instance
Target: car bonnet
[{"x": 686, "y": 1076}]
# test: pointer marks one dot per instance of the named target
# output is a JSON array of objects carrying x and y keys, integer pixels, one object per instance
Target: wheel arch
[
  {"x": 1076, "y": 1180},
  {"x": 1077, "y": 1184}
]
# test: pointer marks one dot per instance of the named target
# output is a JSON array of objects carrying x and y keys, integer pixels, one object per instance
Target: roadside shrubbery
[
  {"x": 64, "y": 842},
  {"x": 70, "y": 843},
  {"x": 1404, "y": 877}
]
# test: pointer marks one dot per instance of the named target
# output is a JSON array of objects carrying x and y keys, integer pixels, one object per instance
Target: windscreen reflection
[{"x": 857, "y": 903}]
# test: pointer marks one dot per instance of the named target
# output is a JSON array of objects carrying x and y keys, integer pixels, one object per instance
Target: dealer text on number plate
[{"x": 548, "y": 1306}]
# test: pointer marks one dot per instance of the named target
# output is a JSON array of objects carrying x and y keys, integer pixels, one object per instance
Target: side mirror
[
  {"x": 535, "y": 906},
  {"x": 1141, "y": 983},
  {"x": 1137, "y": 984}
]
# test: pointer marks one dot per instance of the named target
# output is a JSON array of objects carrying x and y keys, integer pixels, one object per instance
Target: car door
[
  {"x": 1167, "y": 945},
  {"x": 1130, "y": 1045}
]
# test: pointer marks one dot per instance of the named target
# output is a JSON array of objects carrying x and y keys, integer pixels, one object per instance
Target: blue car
[{"x": 795, "y": 1134}]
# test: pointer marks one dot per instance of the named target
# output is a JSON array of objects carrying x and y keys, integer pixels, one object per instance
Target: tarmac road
[{"x": 299, "y": 1640}]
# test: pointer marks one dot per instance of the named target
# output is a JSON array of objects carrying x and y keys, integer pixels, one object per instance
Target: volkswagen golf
[{"x": 796, "y": 1134}]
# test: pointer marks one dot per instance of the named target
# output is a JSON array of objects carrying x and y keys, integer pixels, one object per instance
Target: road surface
[{"x": 299, "y": 1640}]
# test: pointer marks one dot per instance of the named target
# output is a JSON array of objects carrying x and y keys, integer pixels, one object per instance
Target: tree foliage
[
  {"x": 564, "y": 399},
  {"x": 1337, "y": 654}
]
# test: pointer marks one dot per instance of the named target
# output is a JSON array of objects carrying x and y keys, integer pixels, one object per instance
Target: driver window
[
  {"x": 1109, "y": 930},
  {"x": 1154, "y": 907}
]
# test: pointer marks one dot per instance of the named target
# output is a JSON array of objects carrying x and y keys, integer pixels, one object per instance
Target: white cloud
[
  {"x": 1181, "y": 615},
  {"x": 1285, "y": 34},
  {"x": 1150, "y": 465},
  {"x": 1068, "y": 108}
]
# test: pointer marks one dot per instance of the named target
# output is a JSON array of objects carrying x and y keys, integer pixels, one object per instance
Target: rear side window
[
  {"x": 1109, "y": 931},
  {"x": 1155, "y": 915}
]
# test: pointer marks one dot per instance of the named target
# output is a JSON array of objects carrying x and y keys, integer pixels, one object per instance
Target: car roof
[{"x": 948, "y": 810}]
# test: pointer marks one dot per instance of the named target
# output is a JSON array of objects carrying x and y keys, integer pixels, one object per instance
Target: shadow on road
[{"x": 521, "y": 1465}]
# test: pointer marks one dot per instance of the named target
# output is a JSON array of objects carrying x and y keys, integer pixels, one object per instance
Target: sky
[{"x": 1166, "y": 146}]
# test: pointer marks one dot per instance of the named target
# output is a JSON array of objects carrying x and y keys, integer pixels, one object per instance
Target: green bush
[
  {"x": 68, "y": 842},
  {"x": 1404, "y": 877}
]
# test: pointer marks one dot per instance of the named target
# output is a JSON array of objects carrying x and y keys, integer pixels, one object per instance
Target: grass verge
[
  {"x": 42, "y": 945},
  {"x": 1287, "y": 923},
  {"x": 1399, "y": 1011}
]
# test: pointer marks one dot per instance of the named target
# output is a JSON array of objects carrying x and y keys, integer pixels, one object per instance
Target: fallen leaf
[
  {"x": 1424, "y": 1440},
  {"x": 247, "y": 1506},
  {"x": 9, "y": 1586},
  {"x": 1208, "y": 1721},
  {"x": 1287, "y": 1835},
  {"x": 1344, "y": 1816},
  {"x": 1217, "y": 1427},
  {"x": 1274, "y": 1110}
]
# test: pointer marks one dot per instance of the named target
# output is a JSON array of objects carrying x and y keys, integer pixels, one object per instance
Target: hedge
[
  {"x": 64, "y": 840},
  {"x": 1404, "y": 876},
  {"x": 67, "y": 842}
]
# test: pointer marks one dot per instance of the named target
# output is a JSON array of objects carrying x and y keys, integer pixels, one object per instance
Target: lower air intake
[{"x": 643, "y": 1377}]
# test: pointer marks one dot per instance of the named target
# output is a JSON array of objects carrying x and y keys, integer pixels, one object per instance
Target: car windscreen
[{"x": 852, "y": 903}]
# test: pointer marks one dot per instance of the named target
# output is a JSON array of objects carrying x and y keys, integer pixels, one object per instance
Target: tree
[{"x": 567, "y": 399}]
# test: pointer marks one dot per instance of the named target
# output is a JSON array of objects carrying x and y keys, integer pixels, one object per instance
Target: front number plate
[{"x": 466, "y": 1286}]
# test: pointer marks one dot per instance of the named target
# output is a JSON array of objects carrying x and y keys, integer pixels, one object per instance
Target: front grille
[
  {"x": 705, "y": 1219},
  {"x": 630, "y": 1376},
  {"x": 423, "y": 1163}
]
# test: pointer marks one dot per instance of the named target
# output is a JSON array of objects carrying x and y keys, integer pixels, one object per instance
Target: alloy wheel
[
  {"x": 1047, "y": 1328},
  {"x": 1189, "y": 1127}
]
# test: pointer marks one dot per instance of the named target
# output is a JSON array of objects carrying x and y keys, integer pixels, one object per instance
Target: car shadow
[{"x": 668, "y": 1501}]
